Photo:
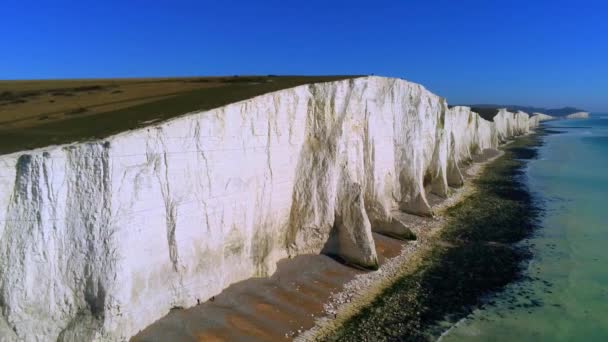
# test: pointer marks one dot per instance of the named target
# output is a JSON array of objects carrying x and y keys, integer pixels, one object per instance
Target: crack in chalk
[
  {"x": 170, "y": 207},
  {"x": 170, "y": 217}
]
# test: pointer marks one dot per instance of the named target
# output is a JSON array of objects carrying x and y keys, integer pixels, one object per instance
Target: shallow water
[{"x": 565, "y": 297}]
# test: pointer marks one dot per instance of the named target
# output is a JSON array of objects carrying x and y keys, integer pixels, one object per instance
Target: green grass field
[{"x": 40, "y": 113}]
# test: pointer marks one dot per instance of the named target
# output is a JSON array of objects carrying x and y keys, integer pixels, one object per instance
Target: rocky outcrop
[
  {"x": 99, "y": 239},
  {"x": 537, "y": 118},
  {"x": 579, "y": 115}
]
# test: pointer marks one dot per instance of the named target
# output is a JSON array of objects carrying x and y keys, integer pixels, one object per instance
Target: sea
[{"x": 564, "y": 292}]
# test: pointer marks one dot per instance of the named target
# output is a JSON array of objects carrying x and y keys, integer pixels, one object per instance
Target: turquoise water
[{"x": 565, "y": 297}]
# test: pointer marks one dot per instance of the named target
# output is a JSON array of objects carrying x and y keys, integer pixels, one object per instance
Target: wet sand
[
  {"x": 302, "y": 290},
  {"x": 266, "y": 309}
]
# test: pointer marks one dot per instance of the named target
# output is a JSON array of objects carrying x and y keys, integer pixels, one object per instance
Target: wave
[{"x": 449, "y": 330}]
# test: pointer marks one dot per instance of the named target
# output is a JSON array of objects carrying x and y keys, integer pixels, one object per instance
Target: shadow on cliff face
[
  {"x": 261, "y": 245},
  {"x": 475, "y": 255},
  {"x": 331, "y": 249}
]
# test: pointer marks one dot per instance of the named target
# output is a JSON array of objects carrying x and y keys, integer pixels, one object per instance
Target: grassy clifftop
[{"x": 40, "y": 113}]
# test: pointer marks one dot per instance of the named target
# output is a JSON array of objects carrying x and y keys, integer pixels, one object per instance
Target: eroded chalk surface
[{"x": 100, "y": 239}]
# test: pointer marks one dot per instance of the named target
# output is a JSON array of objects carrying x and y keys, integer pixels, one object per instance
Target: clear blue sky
[{"x": 547, "y": 53}]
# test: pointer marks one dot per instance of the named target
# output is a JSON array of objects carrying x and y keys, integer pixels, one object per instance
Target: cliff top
[{"x": 37, "y": 113}]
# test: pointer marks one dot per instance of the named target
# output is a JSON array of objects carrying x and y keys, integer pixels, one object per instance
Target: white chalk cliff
[
  {"x": 100, "y": 239},
  {"x": 578, "y": 115},
  {"x": 537, "y": 118},
  {"x": 542, "y": 116}
]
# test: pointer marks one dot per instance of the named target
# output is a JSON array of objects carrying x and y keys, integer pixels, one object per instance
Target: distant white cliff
[
  {"x": 542, "y": 116},
  {"x": 579, "y": 115},
  {"x": 537, "y": 118},
  {"x": 100, "y": 239}
]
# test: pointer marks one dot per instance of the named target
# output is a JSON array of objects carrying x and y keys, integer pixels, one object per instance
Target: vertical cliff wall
[{"x": 100, "y": 239}]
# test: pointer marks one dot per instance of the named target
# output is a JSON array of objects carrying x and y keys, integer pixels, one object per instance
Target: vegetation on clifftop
[{"x": 40, "y": 113}]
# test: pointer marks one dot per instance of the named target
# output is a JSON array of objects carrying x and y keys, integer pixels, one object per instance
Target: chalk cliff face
[
  {"x": 542, "y": 117},
  {"x": 579, "y": 115},
  {"x": 537, "y": 118},
  {"x": 99, "y": 239}
]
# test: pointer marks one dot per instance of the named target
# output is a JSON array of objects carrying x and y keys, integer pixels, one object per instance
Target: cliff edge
[{"x": 100, "y": 239}]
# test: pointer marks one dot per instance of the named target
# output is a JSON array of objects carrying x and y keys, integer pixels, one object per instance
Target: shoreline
[
  {"x": 316, "y": 297},
  {"x": 361, "y": 291},
  {"x": 563, "y": 281},
  {"x": 507, "y": 169},
  {"x": 252, "y": 308}
]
